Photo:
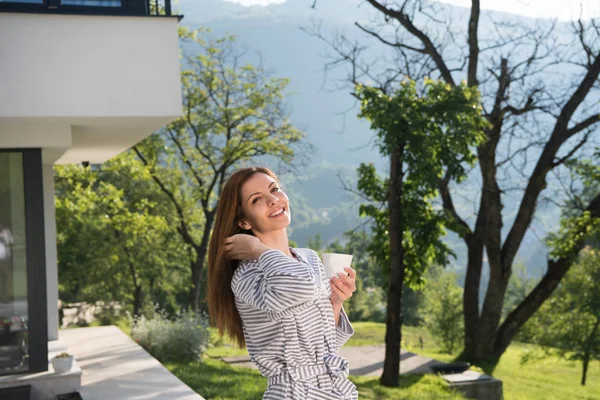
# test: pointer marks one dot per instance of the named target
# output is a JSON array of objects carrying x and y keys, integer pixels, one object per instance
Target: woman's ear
[{"x": 244, "y": 225}]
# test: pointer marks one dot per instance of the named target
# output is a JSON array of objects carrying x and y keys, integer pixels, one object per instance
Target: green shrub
[
  {"x": 181, "y": 339},
  {"x": 443, "y": 309}
]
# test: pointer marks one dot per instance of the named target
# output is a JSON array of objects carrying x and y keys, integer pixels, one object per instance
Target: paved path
[
  {"x": 116, "y": 368},
  {"x": 366, "y": 361}
]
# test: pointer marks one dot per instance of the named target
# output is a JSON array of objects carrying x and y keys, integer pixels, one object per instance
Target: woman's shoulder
[
  {"x": 244, "y": 268},
  {"x": 307, "y": 254}
]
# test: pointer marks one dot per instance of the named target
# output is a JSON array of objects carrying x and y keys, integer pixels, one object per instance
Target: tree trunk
[
  {"x": 137, "y": 301},
  {"x": 483, "y": 353},
  {"x": 471, "y": 291},
  {"x": 393, "y": 334},
  {"x": 198, "y": 264},
  {"x": 588, "y": 350},
  {"x": 586, "y": 361},
  {"x": 137, "y": 285}
]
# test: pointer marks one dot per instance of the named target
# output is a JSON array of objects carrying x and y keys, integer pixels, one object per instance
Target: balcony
[
  {"x": 86, "y": 87},
  {"x": 90, "y": 7}
]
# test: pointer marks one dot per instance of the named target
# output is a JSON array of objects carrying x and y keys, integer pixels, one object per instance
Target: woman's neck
[{"x": 277, "y": 240}]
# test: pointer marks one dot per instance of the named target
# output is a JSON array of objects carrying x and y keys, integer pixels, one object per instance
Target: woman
[{"x": 274, "y": 299}]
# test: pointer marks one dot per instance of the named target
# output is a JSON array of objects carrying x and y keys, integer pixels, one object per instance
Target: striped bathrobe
[{"x": 289, "y": 326}]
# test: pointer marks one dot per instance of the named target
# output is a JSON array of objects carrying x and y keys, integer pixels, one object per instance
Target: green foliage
[
  {"x": 576, "y": 226},
  {"x": 443, "y": 309},
  {"x": 182, "y": 339},
  {"x": 114, "y": 240},
  {"x": 437, "y": 131},
  {"x": 568, "y": 324},
  {"x": 233, "y": 111}
]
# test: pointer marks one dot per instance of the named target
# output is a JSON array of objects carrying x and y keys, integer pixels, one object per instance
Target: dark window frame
[
  {"x": 37, "y": 302},
  {"x": 127, "y": 8}
]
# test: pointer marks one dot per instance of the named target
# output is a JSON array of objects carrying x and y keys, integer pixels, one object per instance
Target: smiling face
[{"x": 264, "y": 204}]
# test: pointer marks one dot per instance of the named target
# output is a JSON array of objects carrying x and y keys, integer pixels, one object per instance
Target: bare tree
[{"x": 538, "y": 121}]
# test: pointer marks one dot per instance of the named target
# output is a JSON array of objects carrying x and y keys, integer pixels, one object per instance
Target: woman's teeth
[{"x": 276, "y": 213}]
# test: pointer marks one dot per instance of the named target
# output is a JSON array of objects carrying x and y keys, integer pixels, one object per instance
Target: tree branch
[
  {"x": 430, "y": 48},
  {"x": 473, "y": 44},
  {"x": 537, "y": 181},
  {"x": 556, "y": 271},
  {"x": 584, "y": 124},
  {"x": 183, "y": 228},
  {"x": 573, "y": 151},
  {"x": 464, "y": 230},
  {"x": 387, "y": 42}
]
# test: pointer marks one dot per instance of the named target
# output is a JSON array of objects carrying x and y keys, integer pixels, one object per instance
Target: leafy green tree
[
  {"x": 569, "y": 323},
  {"x": 443, "y": 308},
  {"x": 113, "y": 245},
  {"x": 426, "y": 135},
  {"x": 234, "y": 115}
]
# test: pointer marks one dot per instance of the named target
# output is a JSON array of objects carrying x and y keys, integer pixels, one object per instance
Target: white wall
[
  {"x": 86, "y": 88},
  {"x": 88, "y": 66}
]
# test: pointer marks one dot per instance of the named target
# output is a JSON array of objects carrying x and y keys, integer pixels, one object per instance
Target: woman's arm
[
  {"x": 342, "y": 288},
  {"x": 275, "y": 283}
]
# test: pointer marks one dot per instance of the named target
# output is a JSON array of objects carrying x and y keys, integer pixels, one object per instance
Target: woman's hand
[
  {"x": 343, "y": 287},
  {"x": 244, "y": 247}
]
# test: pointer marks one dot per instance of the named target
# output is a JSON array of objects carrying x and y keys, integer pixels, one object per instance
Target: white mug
[{"x": 335, "y": 263}]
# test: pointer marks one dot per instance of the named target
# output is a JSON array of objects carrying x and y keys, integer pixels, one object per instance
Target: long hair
[{"x": 221, "y": 302}]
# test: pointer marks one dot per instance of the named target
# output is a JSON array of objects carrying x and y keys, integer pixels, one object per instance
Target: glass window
[
  {"x": 14, "y": 343},
  {"x": 23, "y": 1},
  {"x": 92, "y": 3}
]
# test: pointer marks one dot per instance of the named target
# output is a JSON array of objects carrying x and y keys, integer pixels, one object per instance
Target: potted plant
[
  {"x": 6, "y": 335},
  {"x": 62, "y": 363}
]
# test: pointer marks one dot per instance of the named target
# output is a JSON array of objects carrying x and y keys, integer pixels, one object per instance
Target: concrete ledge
[
  {"x": 46, "y": 385},
  {"x": 116, "y": 368},
  {"x": 474, "y": 385}
]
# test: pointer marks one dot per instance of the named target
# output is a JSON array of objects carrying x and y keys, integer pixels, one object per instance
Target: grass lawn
[
  {"x": 547, "y": 379},
  {"x": 214, "y": 379}
]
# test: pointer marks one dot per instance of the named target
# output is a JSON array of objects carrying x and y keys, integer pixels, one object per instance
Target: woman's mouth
[{"x": 278, "y": 213}]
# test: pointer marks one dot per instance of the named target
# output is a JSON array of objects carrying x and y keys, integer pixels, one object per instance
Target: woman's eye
[
  {"x": 275, "y": 189},
  {"x": 255, "y": 200}
]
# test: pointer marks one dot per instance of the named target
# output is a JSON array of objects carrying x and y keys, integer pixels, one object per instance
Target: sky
[{"x": 561, "y": 9}]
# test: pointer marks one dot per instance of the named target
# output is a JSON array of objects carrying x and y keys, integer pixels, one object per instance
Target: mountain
[{"x": 322, "y": 106}]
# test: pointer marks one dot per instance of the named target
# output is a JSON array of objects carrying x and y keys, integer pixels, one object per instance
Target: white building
[{"x": 80, "y": 81}]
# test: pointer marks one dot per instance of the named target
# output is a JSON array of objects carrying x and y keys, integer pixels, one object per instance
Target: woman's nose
[{"x": 273, "y": 200}]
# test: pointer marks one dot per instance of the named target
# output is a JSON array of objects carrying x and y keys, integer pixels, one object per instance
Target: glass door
[
  {"x": 14, "y": 337},
  {"x": 23, "y": 302}
]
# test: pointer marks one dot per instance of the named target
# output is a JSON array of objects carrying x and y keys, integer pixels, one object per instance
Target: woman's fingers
[
  {"x": 351, "y": 272},
  {"x": 348, "y": 281},
  {"x": 335, "y": 291},
  {"x": 342, "y": 287}
]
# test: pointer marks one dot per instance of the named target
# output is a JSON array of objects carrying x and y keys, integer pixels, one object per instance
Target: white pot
[{"x": 62, "y": 365}]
